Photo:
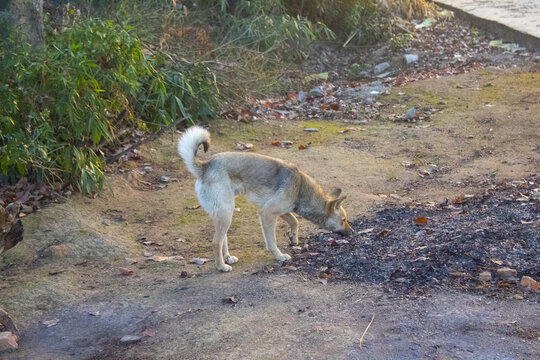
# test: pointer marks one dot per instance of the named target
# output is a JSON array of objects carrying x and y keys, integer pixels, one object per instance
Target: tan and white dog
[{"x": 276, "y": 187}]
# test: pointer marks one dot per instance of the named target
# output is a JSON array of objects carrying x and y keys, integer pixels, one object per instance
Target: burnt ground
[{"x": 416, "y": 248}]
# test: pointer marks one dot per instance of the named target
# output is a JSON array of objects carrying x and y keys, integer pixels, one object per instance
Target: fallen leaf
[
  {"x": 421, "y": 220},
  {"x": 302, "y": 147},
  {"x": 366, "y": 231},
  {"x": 56, "y": 272},
  {"x": 244, "y": 146},
  {"x": 130, "y": 261},
  {"x": 184, "y": 274},
  {"x": 276, "y": 143},
  {"x": 198, "y": 261},
  {"x": 149, "y": 332},
  {"x": 125, "y": 271},
  {"x": 149, "y": 243},
  {"x": 229, "y": 300},
  {"x": 50, "y": 323},
  {"x": 383, "y": 233}
]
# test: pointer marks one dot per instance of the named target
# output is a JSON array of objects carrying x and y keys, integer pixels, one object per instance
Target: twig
[
  {"x": 113, "y": 158},
  {"x": 365, "y": 331}
]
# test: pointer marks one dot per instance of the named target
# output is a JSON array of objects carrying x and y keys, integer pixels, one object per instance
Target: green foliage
[
  {"x": 399, "y": 41},
  {"x": 355, "y": 70},
  {"x": 264, "y": 26},
  {"x": 61, "y": 105},
  {"x": 355, "y": 20}
]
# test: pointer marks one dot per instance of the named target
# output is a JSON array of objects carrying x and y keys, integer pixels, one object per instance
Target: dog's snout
[{"x": 345, "y": 232}]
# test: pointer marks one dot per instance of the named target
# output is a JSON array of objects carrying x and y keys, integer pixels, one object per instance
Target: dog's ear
[
  {"x": 334, "y": 204},
  {"x": 335, "y": 193}
]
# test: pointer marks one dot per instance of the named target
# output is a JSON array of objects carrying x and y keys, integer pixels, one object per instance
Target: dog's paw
[
  {"x": 283, "y": 257},
  {"x": 225, "y": 268},
  {"x": 293, "y": 238},
  {"x": 231, "y": 259}
]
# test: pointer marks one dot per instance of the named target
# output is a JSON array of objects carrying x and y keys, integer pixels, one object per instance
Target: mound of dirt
[{"x": 417, "y": 247}]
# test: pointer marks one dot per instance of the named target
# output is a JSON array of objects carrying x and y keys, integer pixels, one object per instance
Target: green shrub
[
  {"x": 61, "y": 105},
  {"x": 399, "y": 41},
  {"x": 264, "y": 26}
]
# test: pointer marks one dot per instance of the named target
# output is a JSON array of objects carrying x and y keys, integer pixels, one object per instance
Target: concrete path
[{"x": 512, "y": 20}]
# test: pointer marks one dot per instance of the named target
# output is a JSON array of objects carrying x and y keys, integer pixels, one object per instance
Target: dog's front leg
[
  {"x": 268, "y": 225},
  {"x": 229, "y": 259},
  {"x": 220, "y": 238},
  {"x": 293, "y": 223}
]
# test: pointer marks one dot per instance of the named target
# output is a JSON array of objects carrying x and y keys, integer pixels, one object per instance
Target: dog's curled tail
[{"x": 188, "y": 145}]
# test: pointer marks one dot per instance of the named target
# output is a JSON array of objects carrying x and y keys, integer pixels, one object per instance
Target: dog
[{"x": 278, "y": 188}]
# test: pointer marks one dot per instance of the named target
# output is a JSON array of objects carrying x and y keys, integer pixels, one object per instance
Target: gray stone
[
  {"x": 380, "y": 68},
  {"x": 8, "y": 341},
  {"x": 484, "y": 276},
  {"x": 506, "y": 273},
  {"x": 365, "y": 93},
  {"x": 410, "y": 58},
  {"x": 311, "y": 129},
  {"x": 128, "y": 339},
  {"x": 316, "y": 92},
  {"x": 410, "y": 114},
  {"x": 165, "y": 179}
]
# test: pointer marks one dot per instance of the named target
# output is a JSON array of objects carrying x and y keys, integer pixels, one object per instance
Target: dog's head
[{"x": 336, "y": 220}]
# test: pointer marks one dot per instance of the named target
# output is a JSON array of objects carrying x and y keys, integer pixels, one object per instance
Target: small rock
[
  {"x": 27, "y": 209},
  {"x": 316, "y": 92},
  {"x": 410, "y": 114},
  {"x": 129, "y": 339},
  {"x": 380, "y": 68},
  {"x": 8, "y": 341},
  {"x": 147, "y": 254},
  {"x": 529, "y": 283},
  {"x": 56, "y": 251},
  {"x": 410, "y": 58},
  {"x": 165, "y": 179},
  {"x": 148, "y": 169},
  {"x": 484, "y": 276},
  {"x": 506, "y": 273},
  {"x": 311, "y": 129}
]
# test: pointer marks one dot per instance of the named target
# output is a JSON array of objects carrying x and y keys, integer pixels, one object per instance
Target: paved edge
[{"x": 503, "y": 31}]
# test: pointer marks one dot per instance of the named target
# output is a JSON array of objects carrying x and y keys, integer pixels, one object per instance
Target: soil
[
  {"x": 479, "y": 137},
  {"x": 417, "y": 248}
]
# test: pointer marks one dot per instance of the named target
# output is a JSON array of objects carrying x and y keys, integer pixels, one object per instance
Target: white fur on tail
[{"x": 188, "y": 145}]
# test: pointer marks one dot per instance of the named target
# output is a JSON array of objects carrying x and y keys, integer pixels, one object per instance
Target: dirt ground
[{"x": 486, "y": 126}]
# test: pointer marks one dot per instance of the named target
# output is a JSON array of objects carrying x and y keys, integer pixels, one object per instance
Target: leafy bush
[
  {"x": 397, "y": 41},
  {"x": 264, "y": 26},
  {"x": 61, "y": 105},
  {"x": 359, "y": 21}
]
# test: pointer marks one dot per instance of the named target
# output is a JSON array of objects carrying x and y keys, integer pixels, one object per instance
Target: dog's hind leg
[
  {"x": 293, "y": 223},
  {"x": 268, "y": 225}
]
